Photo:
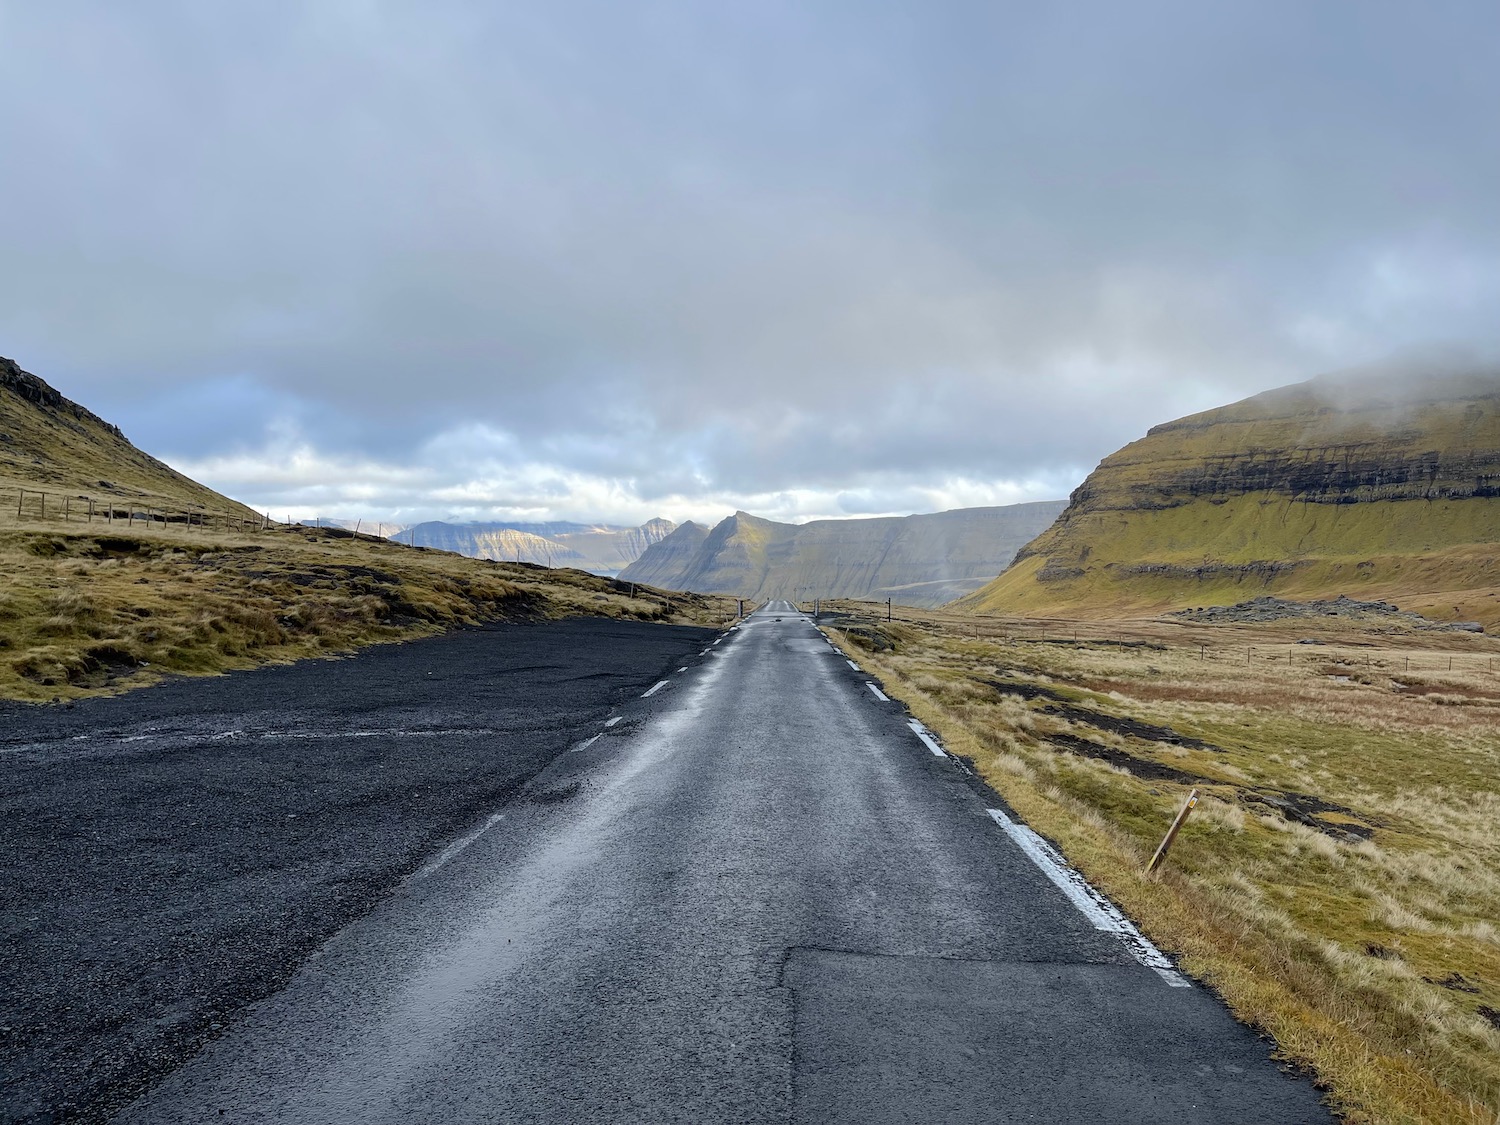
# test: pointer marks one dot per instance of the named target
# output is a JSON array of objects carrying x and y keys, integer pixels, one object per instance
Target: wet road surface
[{"x": 756, "y": 895}]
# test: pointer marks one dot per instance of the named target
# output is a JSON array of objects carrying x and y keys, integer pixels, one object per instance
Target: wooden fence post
[{"x": 1161, "y": 851}]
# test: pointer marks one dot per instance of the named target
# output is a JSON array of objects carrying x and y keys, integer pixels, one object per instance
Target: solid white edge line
[
  {"x": 921, "y": 732},
  {"x": 586, "y": 743},
  {"x": 880, "y": 695},
  {"x": 1103, "y": 914},
  {"x": 654, "y": 688},
  {"x": 612, "y": 722}
]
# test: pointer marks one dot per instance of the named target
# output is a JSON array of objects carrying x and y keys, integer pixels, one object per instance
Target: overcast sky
[{"x": 596, "y": 259}]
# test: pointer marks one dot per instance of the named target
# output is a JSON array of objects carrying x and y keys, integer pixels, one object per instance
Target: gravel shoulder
[{"x": 171, "y": 855}]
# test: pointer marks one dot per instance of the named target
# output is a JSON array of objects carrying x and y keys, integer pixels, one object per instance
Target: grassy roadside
[
  {"x": 1339, "y": 884},
  {"x": 93, "y": 611}
]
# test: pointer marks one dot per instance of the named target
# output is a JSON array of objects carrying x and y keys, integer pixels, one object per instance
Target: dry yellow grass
[
  {"x": 1340, "y": 883},
  {"x": 86, "y": 609}
]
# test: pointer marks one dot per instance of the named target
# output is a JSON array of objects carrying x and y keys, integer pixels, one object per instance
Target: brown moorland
[{"x": 1339, "y": 883}]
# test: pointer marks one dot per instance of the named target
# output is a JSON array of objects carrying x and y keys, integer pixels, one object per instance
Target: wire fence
[
  {"x": 39, "y": 507},
  {"x": 1339, "y": 660}
]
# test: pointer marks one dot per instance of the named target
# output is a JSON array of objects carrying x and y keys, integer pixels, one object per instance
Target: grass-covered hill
[
  {"x": 162, "y": 575},
  {"x": 922, "y": 560},
  {"x": 53, "y": 445},
  {"x": 1373, "y": 484}
]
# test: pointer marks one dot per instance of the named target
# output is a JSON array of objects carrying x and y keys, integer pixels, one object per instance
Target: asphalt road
[
  {"x": 756, "y": 894},
  {"x": 170, "y": 855}
]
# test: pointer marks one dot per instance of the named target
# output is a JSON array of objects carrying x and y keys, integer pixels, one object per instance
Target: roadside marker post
[{"x": 1161, "y": 851}]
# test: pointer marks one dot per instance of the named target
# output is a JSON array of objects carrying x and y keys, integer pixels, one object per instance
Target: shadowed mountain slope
[
  {"x": 670, "y": 559},
  {"x": 916, "y": 560},
  {"x": 1375, "y": 484}
]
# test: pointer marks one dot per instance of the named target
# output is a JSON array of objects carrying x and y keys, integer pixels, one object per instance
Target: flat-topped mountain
[
  {"x": 601, "y": 548},
  {"x": 922, "y": 560},
  {"x": 1373, "y": 484},
  {"x": 50, "y": 443}
]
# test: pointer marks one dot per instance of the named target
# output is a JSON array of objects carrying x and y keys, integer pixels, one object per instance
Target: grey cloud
[{"x": 719, "y": 248}]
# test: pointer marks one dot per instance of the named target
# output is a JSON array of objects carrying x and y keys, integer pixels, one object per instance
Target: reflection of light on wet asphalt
[{"x": 458, "y": 845}]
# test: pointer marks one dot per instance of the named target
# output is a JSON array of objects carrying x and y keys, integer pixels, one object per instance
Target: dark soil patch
[
  {"x": 1308, "y": 810},
  {"x": 1027, "y": 691},
  {"x": 1303, "y": 808},
  {"x": 1142, "y": 768},
  {"x": 1112, "y": 724},
  {"x": 1456, "y": 981}
]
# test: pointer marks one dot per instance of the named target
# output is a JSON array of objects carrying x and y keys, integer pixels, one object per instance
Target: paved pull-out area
[
  {"x": 757, "y": 895},
  {"x": 169, "y": 855}
]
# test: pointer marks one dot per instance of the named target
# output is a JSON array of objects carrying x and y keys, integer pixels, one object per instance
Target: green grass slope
[{"x": 1375, "y": 484}]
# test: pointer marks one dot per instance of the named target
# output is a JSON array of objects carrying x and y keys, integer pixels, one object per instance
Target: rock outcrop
[
  {"x": 922, "y": 560},
  {"x": 1383, "y": 484}
]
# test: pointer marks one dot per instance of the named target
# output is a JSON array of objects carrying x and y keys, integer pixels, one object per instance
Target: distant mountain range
[
  {"x": 600, "y": 548},
  {"x": 921, "y": 560},
  {"x": 1375, "y": 485}
]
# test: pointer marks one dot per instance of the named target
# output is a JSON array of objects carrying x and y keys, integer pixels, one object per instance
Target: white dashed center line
[
  {"x": 852, "y": 665},
  {"x": 586, "y": 743},
  {"x": 654, "y": 688},
  {"x": 880, "y": 695},
  {"x": 612, "y": 722}
]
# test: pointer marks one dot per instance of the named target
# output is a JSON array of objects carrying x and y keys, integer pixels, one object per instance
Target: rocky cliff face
[
  {"x": 1373, "y": 481},
  {"x": 608, "y": 550},
  {"x": 916, "y": 560},
  {"x": 600, "y": 548},
  {"x": 667, "y": 561},
  {"x": 1327, "y": 441}
]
